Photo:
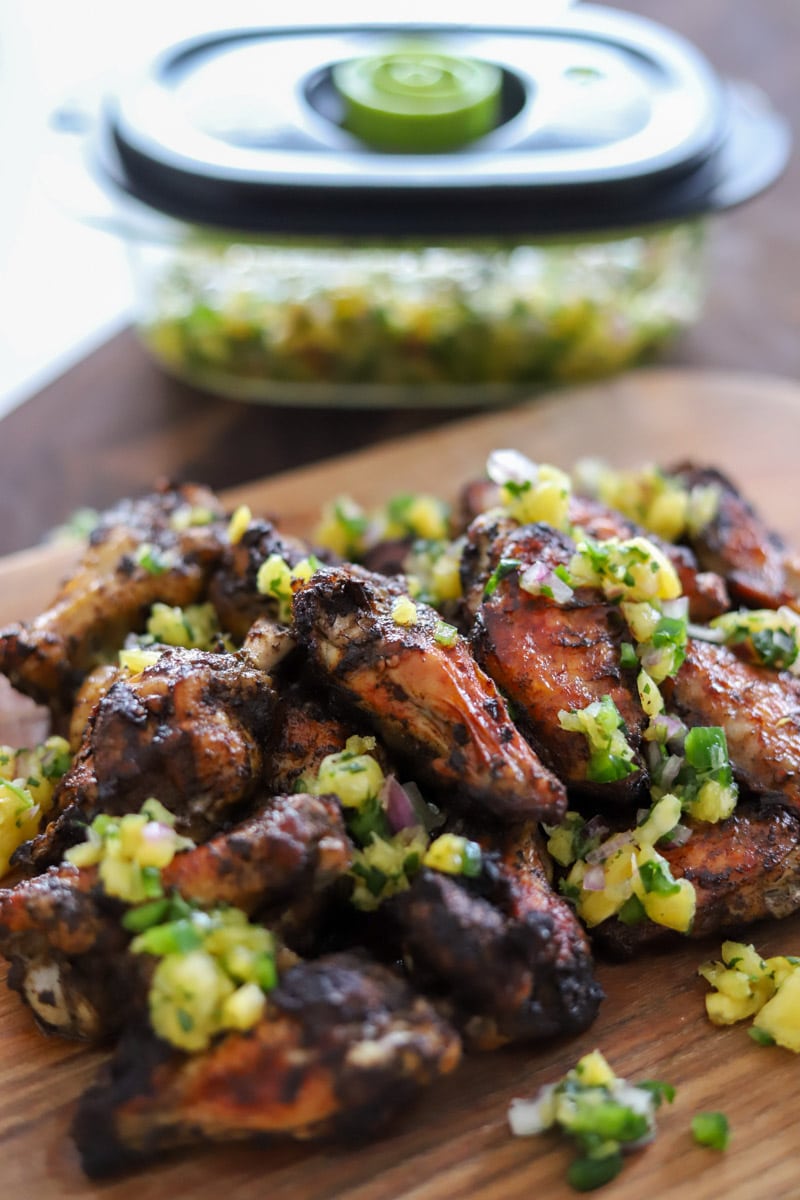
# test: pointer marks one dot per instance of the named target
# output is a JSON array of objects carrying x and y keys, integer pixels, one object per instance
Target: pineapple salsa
[{"x": 624, "y": 875}]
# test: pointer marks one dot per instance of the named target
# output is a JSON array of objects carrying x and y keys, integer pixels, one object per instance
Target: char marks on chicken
[
  {"x": 191, "y": 729},
  {"x": 142, "y": 551},
  {"x": 758, "y": 567},
  {"x": 758, "y": 708},
  {"x": 547, "y": 657},
  {"x": 343, "y": 1046},
  {"x": 743, "y": 869},
  {"x": 430, "y": 703},
  {"x": 504, "y": 951}
]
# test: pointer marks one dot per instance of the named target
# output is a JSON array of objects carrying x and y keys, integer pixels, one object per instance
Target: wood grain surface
[
  {"x": 455, "y": 1143},
  {"x": 115, "y": 421}
]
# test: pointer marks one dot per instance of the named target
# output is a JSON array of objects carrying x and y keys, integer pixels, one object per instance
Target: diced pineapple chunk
[{"x": 780, "y": 1016}]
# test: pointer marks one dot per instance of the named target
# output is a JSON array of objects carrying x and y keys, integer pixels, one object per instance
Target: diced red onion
[
  {"x": 653, "y": 755},
  {"x": 676, "y": 608},
  {"x": 608, "y": 848},
  {"x": 399, "y": 809},
  {"x": 155, "y": 832},
  {"x": 595, "y": 827},
  {"x": 594, "y": 880},
  {"x": 538, "y": 576},
  {"x": 680, "y": 835},
  {"x": 705, "y": 634},
  {"x": 510, "y": 466},
  {"x": 669, "y": 772},
  {"x": 672, "y": 727}
]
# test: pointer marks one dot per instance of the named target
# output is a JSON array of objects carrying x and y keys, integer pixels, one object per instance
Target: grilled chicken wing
[
  {"x": 546, "y": 657},
  {"x": 190, "y": 730},
  {"x": 62, "y": 933},
  {"x": 233, "y": 588},
  {"x": 761, "y": 572},
  {"x": 513, "y": 962},
  {"x": 294, "y": 847},
  {"x": 343, "y": 1046},
  {"x": 758, "y": 708},
  {"x": 430, "y": 702},
  {"x": 141, "y": 552},
  {"x": 307, "y": 732},
  {"x": 66, "y": 947},
  {"x": 706, "y": 591},
  {"x": 743, "y": 870}
]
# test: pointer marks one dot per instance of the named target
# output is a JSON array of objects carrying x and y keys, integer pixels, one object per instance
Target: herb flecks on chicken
[
  {"x": 758, "y": 567},
  {"x": 162, "y": 547},
  {"x": 549, "y": 656},
  {"x": 191, "y": 729},
  {"x": 344, "y": 1045},
  {"x": 502, "y": 949},
  {"x": 759, "y": 710},
  {"x": 429, "y": 701}
]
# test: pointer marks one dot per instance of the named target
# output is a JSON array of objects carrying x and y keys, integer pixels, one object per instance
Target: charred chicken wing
[
  {"x": 190, "y": 730},
  {"x": 343, "y": 1046},
  {"x": 548, "y": 657},
  {"x": 142, "y": 551},
  {"x": 429, "y": 700}
]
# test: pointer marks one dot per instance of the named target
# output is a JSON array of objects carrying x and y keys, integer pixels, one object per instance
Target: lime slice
[{"x": 417, "y": 100}]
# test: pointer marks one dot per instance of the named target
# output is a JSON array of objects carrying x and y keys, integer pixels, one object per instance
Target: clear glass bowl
[{"x": 367, "y": 324}]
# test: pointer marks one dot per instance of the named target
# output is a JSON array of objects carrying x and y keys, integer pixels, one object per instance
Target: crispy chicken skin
[
  {"x": 233, "y": 590},
  {"x": 546, "y": 657},
  {"x": 190, "y": 730},
  {"x": 507, "y": 952},
  {"x": 744, "y": 869},
  {"x": 706, "y": 591},
  {"x": 306, "y": 733},
  {"x": 110, "y": 592},
  {"x": 294, "y": 847},
  {"x": 758, "y": 708},
  {"x": 759, "y": 569},
  {"x": 63, "y": 936},
  {"x": 66, "y": 948},
  {"x": 431, "y": 703},
  {"x": 343, "y": 1046}
]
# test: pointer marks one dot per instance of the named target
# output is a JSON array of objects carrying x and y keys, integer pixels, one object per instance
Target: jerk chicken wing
[
  {"x": 62, "y": 933},
  {"x": 760, "y": 570},
  {"x": 430, "y": 702},
  {"x": 513, "y": 962},
  {"x": 343, "y": 1046},
  {"x": 142, "y": 551},
  {"x": 758, "y": 708},
  {"x": 548, "y": 657},
  {"x": 743, "y": 869},
  {"x": 191, "y": 729}
]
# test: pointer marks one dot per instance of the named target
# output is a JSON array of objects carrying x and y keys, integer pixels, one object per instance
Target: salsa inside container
[{"x": 423, "y": 214}]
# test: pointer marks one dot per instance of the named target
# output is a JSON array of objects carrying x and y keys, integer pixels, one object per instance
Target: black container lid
[{"x": 604, "y": 120}]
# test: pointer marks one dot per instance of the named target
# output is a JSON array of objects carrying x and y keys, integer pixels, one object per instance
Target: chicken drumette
[
  {"x": 431, "y": 703},
  {"x": 344, "y": 1044}
]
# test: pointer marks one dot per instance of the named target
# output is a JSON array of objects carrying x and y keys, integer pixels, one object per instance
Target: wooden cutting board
[{"x": 455, "y": 1143}]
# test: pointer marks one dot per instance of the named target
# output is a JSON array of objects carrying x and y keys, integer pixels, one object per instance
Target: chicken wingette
[
  {"x": 549, "y": 657},
  {"x": 505, "y": 953},
  {"x": 759, "y": 709},
  {"x": 161, "y": 547},
  {"x": 67, "y": 947},
  {"x": 344, "y": 1044},
  {"x": 743, "y": 869},
  {"x": 757, "y": 565},
  {"x": 416, "y": 681},
  {"x": 190, "y": 729}
]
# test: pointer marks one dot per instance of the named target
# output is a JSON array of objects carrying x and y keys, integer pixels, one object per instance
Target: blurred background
[{"x": 66, "y": 287}]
